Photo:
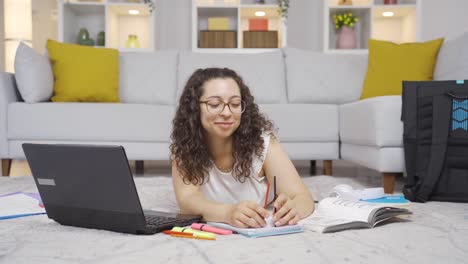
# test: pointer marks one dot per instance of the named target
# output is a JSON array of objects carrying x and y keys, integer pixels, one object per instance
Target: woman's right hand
[{"x": 247, "y": 214}]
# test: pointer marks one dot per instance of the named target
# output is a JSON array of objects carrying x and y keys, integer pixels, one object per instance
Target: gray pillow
[
  {"x": 452, "y": 61},
  {"x": 33, "y": 74}
]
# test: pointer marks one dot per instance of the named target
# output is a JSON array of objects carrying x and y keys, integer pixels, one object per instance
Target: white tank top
[{"x": 223, "y": 187}]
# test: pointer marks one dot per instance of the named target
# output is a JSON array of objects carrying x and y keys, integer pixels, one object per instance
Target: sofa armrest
[
  {"x": 8, "y": 94},
  {"x": 372, "y": 122}
]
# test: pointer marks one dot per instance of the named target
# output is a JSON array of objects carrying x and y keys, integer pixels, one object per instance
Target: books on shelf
[
  {"x": 261, "y": 232},
  {"x": 336, "y": 214},
  {"x": 20, "y": 204}
]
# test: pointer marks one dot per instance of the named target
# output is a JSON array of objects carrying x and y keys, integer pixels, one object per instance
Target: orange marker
[{"x": 185, "y": 235}]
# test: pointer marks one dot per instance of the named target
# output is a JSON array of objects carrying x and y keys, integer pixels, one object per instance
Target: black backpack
[{"x": 435, "y": 140}]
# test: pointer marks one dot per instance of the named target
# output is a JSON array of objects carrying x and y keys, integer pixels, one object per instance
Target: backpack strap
[{"x": 442, "y": 107}]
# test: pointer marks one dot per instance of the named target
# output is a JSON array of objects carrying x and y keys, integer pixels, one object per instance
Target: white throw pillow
[{"x": 33, "y": 74}]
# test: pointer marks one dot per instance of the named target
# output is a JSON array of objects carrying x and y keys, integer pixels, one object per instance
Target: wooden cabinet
[
  {"x": 261, "y": 39},
  {"x": 218, "y": 39}
]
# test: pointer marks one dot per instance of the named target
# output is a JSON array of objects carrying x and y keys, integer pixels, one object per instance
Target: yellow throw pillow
[
  {"x": 84, "y": 74},
  {"x": 391, "y": 63}
]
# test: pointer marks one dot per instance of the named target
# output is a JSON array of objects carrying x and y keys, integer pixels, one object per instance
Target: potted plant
[{"x": 344, "y": 24}]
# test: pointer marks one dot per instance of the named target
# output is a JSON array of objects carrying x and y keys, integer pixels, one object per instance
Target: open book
[
  {"x": 336, "y": 214},
  {"x": 261, "y": 232}
]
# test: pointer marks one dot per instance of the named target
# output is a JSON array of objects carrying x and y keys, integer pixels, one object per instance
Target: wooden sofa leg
[
  {"x": 327, "y": 167},
  {"x": 6, "y": 167},
  {"x": 139, "y": 167},
  {"x": 388, "y": 182},
  {"x": 313, "y": 167}
]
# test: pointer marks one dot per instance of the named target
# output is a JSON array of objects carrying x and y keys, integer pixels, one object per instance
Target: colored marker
[
  {"x": 186, "y": 235},
  {"x": 191, "y": 231},
  {"x": 212, "y": 229}
]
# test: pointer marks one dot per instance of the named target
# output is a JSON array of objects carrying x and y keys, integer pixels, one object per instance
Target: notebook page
[
  {"x": 345, "y": 209},
  {"x": 261, "y": 232},
  {"x": 19, "y": 204}
]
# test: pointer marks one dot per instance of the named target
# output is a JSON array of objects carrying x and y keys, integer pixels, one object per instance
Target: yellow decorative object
[
  {"x": 132, "y": 41},
  {"x": 218, "y": 23},
  {"x": 84, "y": 74},
  {"x": 390, "y": 64}
]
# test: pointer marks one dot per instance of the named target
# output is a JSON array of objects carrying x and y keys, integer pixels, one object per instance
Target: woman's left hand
[{"x": 286, "y": 211}]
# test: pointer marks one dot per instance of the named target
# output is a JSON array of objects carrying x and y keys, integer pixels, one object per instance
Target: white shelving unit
[
  {"x": 110, "y": 16},
  {"x": 238, "y": 12},
  {"x": 403, "y": 26}
]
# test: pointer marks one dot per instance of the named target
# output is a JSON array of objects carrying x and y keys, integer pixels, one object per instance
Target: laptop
[{"x": 92, "y": 186}]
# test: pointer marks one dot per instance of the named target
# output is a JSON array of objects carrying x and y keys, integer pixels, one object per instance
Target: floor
[{"x": 365, "y": 176}]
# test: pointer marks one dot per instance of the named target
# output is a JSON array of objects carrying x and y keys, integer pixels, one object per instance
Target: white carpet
[{"x": 437, "y": 233}]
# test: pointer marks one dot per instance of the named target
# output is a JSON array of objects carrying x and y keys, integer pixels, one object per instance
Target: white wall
[
  {"x": 44, "y": 25},
  {"x": 305, "y": 24},
  {"x": 2, "y": 38},
  {"x": 173, "y": 24},
  {"x": 440, "y": 18},
  {"x": 444, "y": 18}
]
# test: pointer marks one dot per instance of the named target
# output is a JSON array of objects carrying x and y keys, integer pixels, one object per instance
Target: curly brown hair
[{"x": 189, "y": 149}]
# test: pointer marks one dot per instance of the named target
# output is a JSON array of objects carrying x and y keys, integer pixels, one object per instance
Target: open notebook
[{"x": 261, "y": 232}]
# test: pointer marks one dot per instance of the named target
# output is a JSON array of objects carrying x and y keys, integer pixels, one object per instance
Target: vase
[
  {"x": 101, "y": 39},
  {"x": 346, "y": 38},
  {"x": 83, "y": 36},
  {"x": 132, "y": 41}
]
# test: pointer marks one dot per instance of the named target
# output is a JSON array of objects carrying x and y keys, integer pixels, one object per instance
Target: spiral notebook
[{"x": 261, "y": 232}]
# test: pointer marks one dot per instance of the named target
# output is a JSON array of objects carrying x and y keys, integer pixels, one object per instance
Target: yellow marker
[{"x": 196, "y": 232}]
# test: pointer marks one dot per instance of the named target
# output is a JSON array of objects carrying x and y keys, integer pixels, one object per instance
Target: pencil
[{"x": 274, "y": 189}]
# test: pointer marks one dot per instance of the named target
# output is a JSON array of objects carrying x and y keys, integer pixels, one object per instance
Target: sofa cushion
[
  {"x": 391, "y": 63},
  {"x": 90, "y": 121},
  {"x": 314, "y": 77},
  {"x": 304, "y": 122},
  {"x": 33, "y": 74},
  {"x": 372, "y": 122},
  {"x": 452, "y": 62},
  {"x": 84, "y": 74},
  {"x": 263, "y": 73},
  {"x": 148, "y": 78}
]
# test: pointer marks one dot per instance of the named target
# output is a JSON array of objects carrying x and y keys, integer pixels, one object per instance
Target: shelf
[
  {"x": 239, "y": 14},
  {"x": 355, "y": 3},
  {"x": 217, "y": 3},
  {"x": 401, "y": 27},
  {"x": 398, "y": 10},
  {"x": 362, "y": 28},
  {"x": 112, "y": 17},
  {"x": 91, "y": 17},
  {"x": 235, "y": 51},
  {"x": 90, "y": 2},
  {"x": 121, "y": 24},
  {"x": 134, "y": 50}
]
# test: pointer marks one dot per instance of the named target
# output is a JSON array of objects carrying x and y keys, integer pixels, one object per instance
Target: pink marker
[{"x": 207, "y": 228}]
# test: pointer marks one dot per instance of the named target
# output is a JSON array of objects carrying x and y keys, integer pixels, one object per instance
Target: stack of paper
[{"x": 20, "y": 204}]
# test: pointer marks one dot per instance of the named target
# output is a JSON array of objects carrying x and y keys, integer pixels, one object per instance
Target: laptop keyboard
[{"x": 159, "y": 220}]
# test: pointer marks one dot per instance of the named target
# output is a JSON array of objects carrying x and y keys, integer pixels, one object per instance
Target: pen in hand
[{"x": 275, "y": 195}]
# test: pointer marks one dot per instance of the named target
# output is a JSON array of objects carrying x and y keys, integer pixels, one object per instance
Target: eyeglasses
[{"x": 216, "y": 106}]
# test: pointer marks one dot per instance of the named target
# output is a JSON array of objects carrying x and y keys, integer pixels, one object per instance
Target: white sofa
[
  {"x": 304, "y": 105},
  {"x": 312, "y": 97}
]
